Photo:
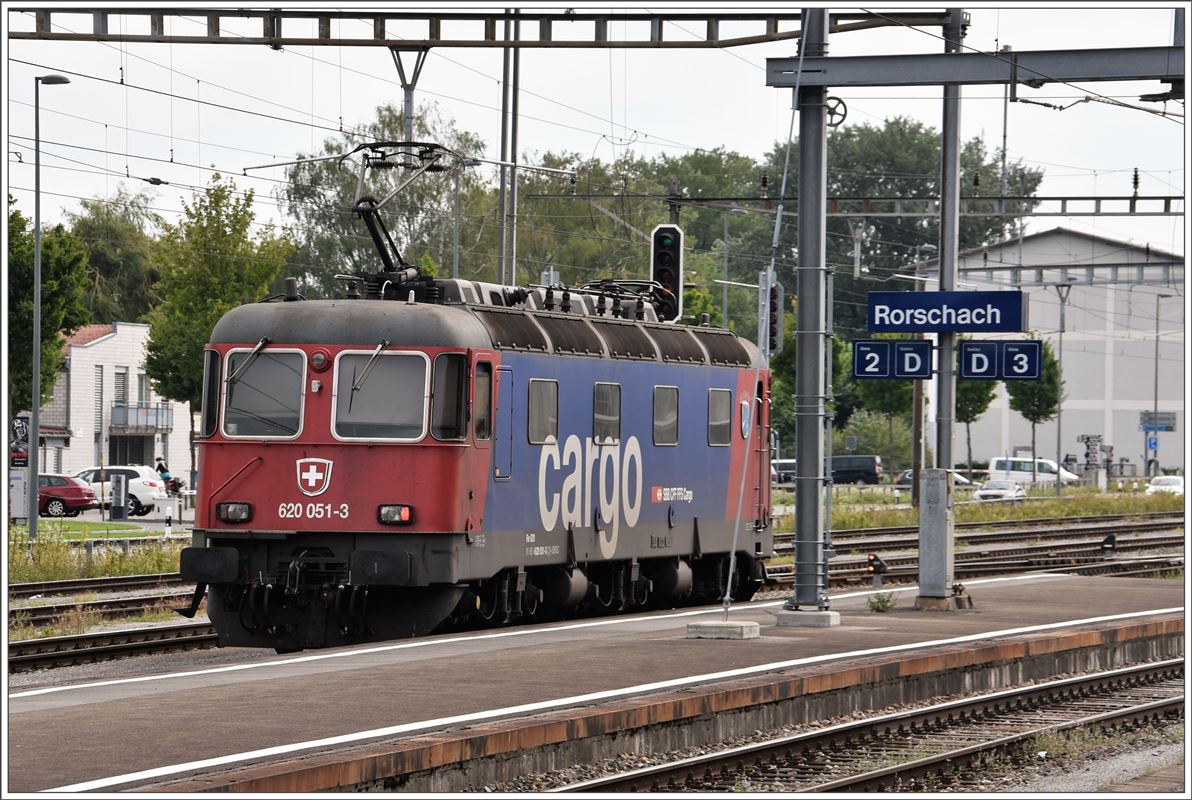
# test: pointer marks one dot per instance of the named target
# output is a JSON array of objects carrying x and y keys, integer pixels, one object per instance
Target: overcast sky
[{"x": 587, "y": 101}]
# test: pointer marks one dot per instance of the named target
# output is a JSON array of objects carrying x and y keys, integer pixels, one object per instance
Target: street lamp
[
  {"x": 1155, "y": 407},
  {"x": 1062, "y": 290},
  {"x": 35, "y": 411}
]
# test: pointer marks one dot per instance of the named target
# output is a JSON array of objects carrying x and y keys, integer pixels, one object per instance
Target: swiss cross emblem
[{"x": 314, "y": 475}]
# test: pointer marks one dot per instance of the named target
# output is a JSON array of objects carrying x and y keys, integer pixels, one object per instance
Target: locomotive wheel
[{"x": 486, "y": 600}]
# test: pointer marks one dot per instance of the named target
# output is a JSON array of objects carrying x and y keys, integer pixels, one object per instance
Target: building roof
[
  {"x": 1092, "y": 237},
  {"x": 89, "y": 333}
]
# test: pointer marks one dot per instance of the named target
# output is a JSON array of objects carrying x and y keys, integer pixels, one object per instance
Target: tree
[
  {"x": 334, "y": 240},
  {"x": 120, "y": 268},
  {"x": 1038, "y": 401},
  {"x": 892, "y": 440},
  {"x": 63, "y": 285},
  {"x": 209, "y": 265},
  {"x": 889, "y": 397},
  {"x": 972, "y": 400}
]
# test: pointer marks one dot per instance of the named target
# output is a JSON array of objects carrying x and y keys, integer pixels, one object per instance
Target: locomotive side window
[
  {"x": 263, "y": 393},
  {"x": 544, "y": 411},
  {"x": 666, "y": 415},
  {"x": 449, "y": 398},
  {"x": 606, "y": 413},
  {"x": 380, "y": 395},
  {"x": 210, "y": 412},
  {"x": 720, "y": 417},
  {"x": 482, "y": 401}
]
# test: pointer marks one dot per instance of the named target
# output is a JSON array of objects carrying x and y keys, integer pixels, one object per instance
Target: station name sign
[{"x": 957, "y": 312}]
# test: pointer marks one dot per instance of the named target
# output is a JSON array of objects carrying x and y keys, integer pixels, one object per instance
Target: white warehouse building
[{"x": 1117, "y": 295}]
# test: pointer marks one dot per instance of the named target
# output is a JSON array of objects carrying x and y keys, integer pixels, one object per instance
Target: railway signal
[
  {"x": 666, "y": 268},
  {"x": 776, "y": 327},
  {"x": 875, "y": 567}
]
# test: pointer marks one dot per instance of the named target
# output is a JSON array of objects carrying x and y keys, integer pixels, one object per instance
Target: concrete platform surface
[{"x": 167, "y": 725}]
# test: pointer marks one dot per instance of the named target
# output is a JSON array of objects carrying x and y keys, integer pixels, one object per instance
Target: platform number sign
[
  {"x": 872, "y": 360},
  {"x": 1022, "y": 361},
  {"x": 1019, "y": 360},
  {"x": 906, "y": 359}
]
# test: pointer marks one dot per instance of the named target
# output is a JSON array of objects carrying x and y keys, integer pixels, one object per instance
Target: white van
[{"x": 1019, "y": 469}]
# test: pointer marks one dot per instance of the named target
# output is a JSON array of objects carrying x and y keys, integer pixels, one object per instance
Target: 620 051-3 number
[{"x": 312, "y": 511}]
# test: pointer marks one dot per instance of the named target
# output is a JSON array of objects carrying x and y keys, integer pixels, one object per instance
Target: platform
[{"x": 217, "y": 725}]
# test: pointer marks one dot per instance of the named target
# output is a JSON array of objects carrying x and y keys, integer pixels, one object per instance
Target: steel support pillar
[{"x": 809, "y": 340}]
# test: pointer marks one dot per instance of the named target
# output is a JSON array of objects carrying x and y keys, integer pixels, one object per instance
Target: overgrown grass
[
  {"x": 1085, "y": 505},
  {"x": 85, "y": 529},
  {"x": 52, "y": 558},
  {"x": 881, "y": 602}
]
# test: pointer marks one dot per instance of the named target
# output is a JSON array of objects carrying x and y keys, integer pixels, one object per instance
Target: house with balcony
[{"x": 103, "y": 409}]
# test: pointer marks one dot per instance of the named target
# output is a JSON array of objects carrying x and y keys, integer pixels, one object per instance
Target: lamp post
[
  {"x": 35, "y": 410},
  {"x": 1062, "y": 289},
  {"x": 1155, "y": 406}
]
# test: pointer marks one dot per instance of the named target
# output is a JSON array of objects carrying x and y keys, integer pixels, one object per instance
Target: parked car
[
  {"x": 857, "y": 469},
  {"x": 1019, "y": 469},
  {"x": 904, "y": 479},
  {"x": 1000, "y": 490},
  {"x": 63, "y": 496},
  {"x": 1166, "y": 484},
  {"x": 145, "y": 487},
  {"x": 783, "y": 470}
]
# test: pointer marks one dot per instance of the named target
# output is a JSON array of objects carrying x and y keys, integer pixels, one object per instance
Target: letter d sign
[{"x": 978, "y": 360}]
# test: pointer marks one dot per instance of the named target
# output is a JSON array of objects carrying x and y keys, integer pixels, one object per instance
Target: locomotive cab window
[
  {"x": 543, "y": 422},
  {"x": 482, "y": 413},
  {"x": 449, "y": 398},
  {"x": 606, "y": 413},
  {"x": 666, "y": 415},
  {"x": 263, "y": 393},
  {"x": 380, "y": 395},
  {"x": 210, "y": 406},
  {"x": 720, "y": 417}
]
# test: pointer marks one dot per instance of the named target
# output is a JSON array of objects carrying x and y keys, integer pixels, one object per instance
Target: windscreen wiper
[
  {"x": 251, "y": 356},
  {"x": 368, "y": 368}
]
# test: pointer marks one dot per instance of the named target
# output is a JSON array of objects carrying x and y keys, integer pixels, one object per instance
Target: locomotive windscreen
[
  {"x": 382, "y": 397},
  {"x": 264, "y": 393}
]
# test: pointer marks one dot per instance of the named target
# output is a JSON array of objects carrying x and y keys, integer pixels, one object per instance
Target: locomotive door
[{"x": 503, "y": 433}]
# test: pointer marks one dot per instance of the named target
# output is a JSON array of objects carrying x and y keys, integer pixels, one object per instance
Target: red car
[{"x": 62, "y": 495}]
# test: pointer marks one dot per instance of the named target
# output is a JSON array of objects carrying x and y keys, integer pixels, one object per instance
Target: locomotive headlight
[
  {"x": 233, "y": 512},
  {"x": 395, "y": 514}
]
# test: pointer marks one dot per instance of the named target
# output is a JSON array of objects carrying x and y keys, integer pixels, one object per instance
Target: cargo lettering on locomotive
[{"x": 616, "y": 470}]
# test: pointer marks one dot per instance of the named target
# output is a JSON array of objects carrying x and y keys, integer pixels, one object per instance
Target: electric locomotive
[{"x": 428, "y": 449}]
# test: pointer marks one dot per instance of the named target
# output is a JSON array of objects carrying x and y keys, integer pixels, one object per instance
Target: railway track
[
  {"x": 945, "y": 747},
  {"x": 1081, "y": 557},
  {"x": 42, "y": 615},
  {"x": 58, "y": 651}
]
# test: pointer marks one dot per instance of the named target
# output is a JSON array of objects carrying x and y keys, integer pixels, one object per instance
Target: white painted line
[
  {"x": 545, "y": 705},
  {"x": 406, "y": 645}
]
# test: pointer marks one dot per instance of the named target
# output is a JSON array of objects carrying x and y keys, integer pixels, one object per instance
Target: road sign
[
  {"x": 872, "y": 360},
  {"x": 1150, "y": 421},
  {"x": 905, "y": 360},
  {"x": 959, "y": 312},
  {"x": 979, "y": 360},
  {"x": 1016, "y": 360},
  {"x": 1152, "y": 443}
]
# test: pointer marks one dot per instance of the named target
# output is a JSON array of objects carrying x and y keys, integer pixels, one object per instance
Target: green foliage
[
  {"x": 881, "y": 602},
  {"x": 52, "y": 558},
  {"x": 889, "y": 437},
  {"x": 1038, "y": 401},
  {"x": 973, "y": 398},
  {"x": 894, "y": 399},
  {"x": 209, "y": 265},
  {"x": 120, "y": 270},
  {"x": 63, "y": 287},
  {"x": 334, "y": 240}
]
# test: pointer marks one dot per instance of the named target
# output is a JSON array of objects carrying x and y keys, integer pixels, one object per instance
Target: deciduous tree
[{"x": 1038, "y": 401}]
